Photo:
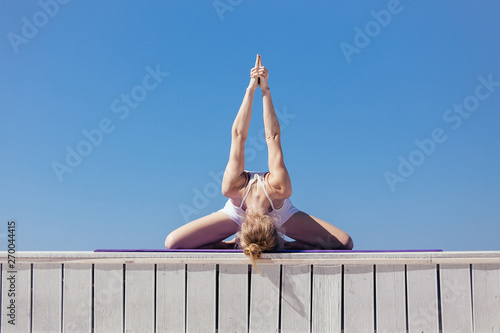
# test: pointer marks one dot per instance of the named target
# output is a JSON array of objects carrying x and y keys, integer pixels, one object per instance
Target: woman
[{"x": 258, "y": 210}]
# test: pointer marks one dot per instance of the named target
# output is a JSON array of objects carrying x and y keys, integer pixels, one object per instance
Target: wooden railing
[{"x": 219, "y": 292}]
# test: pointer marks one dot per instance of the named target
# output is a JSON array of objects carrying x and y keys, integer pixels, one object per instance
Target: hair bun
[{"x": 253, "y": 250}]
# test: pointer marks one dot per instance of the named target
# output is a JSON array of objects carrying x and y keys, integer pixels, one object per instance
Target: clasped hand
[{"x": 259, "y": 75}]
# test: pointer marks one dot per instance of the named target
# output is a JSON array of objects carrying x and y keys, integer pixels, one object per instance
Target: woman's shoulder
[
  {"x": 236, "y": 189},
  {"x": 277, "y": 193}
]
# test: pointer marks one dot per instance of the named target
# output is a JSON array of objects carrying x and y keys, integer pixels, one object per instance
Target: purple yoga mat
[{"x": 283, "y": 251}]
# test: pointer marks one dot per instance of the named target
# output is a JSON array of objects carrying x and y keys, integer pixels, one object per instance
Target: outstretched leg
[
  {"x": 317, "y": 233},
  {"x": 205, "y": 230}
]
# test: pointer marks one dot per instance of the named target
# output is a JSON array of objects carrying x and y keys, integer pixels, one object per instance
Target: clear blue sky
[{"x": 390, "y": 114}]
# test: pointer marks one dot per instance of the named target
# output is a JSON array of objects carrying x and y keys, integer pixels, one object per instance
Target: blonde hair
[{"x": 258, "y": 234}]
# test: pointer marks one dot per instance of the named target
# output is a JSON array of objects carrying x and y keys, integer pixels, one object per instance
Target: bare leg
[
  {"x": 317, "y": 233},
  {"x": 298, "y": 245},
  {"x": 220, "y": 245},
  {"x": 201, "y": 232}
]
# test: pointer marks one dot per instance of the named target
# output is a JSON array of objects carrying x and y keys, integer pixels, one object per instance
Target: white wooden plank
[
  {"x": 77, "y": 298},
  {"x": 22, "y": 298},
  {"x": 139, "y": 297},
  {"x": 422, "y": 298},
  {"x": 483, "y": 320},
  {"x": 201, "y": 298},
  {"x": 264, "y": 299},
  {"x": 47, "y": 297},
  {"x": 326, "y": 299},
  {"x": 390, "y": 298},
  {"x": 358, "y": 298},
  {"x": 108, "y": 298},
  {"x": 296, "y": 298},
  {"x": 170, "y": 299},
  {"x": 233, "y": 298},
  {"x": 375, "y": 258},
  {"x": 456, "y": 302},
  {"x": 486, "y": 289}
]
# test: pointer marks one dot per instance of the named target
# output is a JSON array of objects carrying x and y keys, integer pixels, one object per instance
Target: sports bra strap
[
  {"x": 256, "y": 177},
  {"x": 248, "y": 191},
  {"x": 267, "y": 195}
]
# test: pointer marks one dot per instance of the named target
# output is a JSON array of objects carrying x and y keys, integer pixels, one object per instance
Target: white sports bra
[{"x": 256, "y": 176}]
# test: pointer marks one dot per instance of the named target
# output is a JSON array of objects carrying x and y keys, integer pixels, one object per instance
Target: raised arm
[
  {"x": 278, "y": 174},
  {"x": 234, "y": 178}
]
